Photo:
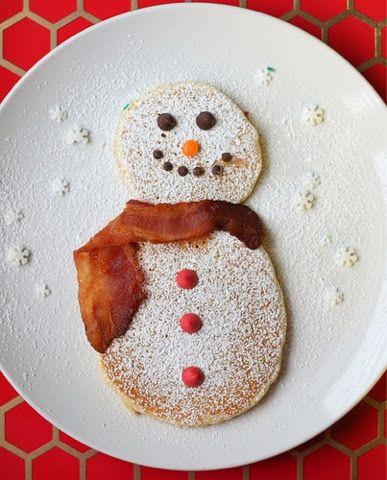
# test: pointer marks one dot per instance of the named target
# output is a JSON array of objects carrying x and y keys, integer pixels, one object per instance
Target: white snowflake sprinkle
[
  {"x": 12, "y": 216},
  {"x": 42, "y": 290},
  {"x": 326, "y": 241},
  {"x": 334, "y": 295},
  {"x": 304, "y": 200},
  {"x": 18, "y": 256},
  {"x": 264, "y": 76},
  {"x": 60, "y": 186},
  {"x": 313, "y": 115},
  {"x": 58, "y": 113},
  {"x": 346, "y": 256},
  {"x": 311, "y": 181},
  {"x": 78, "y": 135}
]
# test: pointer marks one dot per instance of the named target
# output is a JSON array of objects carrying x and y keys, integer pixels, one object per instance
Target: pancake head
[{"x": 187, "y": 142}]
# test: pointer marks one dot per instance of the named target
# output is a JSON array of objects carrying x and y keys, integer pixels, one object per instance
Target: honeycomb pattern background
[
  {"x": 355, "y": 447},
  {"x": 357, "y": 29}
]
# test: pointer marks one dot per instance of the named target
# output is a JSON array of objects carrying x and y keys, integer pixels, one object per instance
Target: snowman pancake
[
  {"x": 185, "y": 142},
  {"x": 178, "y": 295}
]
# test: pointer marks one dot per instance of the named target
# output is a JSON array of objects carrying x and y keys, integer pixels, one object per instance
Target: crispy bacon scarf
[{"x": 110, "y": 277}]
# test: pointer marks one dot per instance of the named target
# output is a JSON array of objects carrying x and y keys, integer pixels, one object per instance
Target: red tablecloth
[{"x": 355, "y": 446}]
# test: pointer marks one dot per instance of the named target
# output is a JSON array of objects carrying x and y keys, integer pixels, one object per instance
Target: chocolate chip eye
[
  {"x": 166, "y": 122},
  {"x": 205, "y": 120}
]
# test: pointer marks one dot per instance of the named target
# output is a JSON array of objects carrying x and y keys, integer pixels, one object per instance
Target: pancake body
[
  {"x": 138, "y": 135},
  {"x": 238, "y": 347}
]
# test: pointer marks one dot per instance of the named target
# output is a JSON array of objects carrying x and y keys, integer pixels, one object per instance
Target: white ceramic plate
[{"x": 334, "y": 354}]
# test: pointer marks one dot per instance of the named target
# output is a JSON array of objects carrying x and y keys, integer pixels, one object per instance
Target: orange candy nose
[{"x": 191, "y": 148}]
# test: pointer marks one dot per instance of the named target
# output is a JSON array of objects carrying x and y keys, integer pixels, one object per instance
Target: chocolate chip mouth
[
  {"x": 158, "y": 154},
  {"x": 199, "y": 171},
  {"x": 182, "y": 171},
  {"x": 167, "y": 166},
  {"x": 217, "y": 169}
]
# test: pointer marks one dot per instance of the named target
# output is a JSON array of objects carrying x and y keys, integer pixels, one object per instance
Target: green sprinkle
[
  {"x": 271, "y": 69},
  {"x": 126, "y": 106}
]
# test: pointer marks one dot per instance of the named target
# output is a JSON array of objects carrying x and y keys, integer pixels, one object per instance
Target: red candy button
[
  {"x": 190, "y": 323},
  {"x": 187, "y": 278},
  {"x": 192, "y": 376}
]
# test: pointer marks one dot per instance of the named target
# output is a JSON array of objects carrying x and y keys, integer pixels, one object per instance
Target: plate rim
[{"x": 179, "y": 7}]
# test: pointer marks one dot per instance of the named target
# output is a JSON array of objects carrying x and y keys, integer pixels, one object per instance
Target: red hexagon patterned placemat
[{"x": 353, "y": 448}]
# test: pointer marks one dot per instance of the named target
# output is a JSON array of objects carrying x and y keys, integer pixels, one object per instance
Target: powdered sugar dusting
[
  {"x": 138, "y": 135},
  {"x": 238, "y": 347}
]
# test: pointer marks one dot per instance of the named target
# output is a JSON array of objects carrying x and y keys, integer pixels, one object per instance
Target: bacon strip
[
  {"x": 110, "y": 291},
  {"x": 110, "y": 278},
  {"x": 164, "y": 222}
]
